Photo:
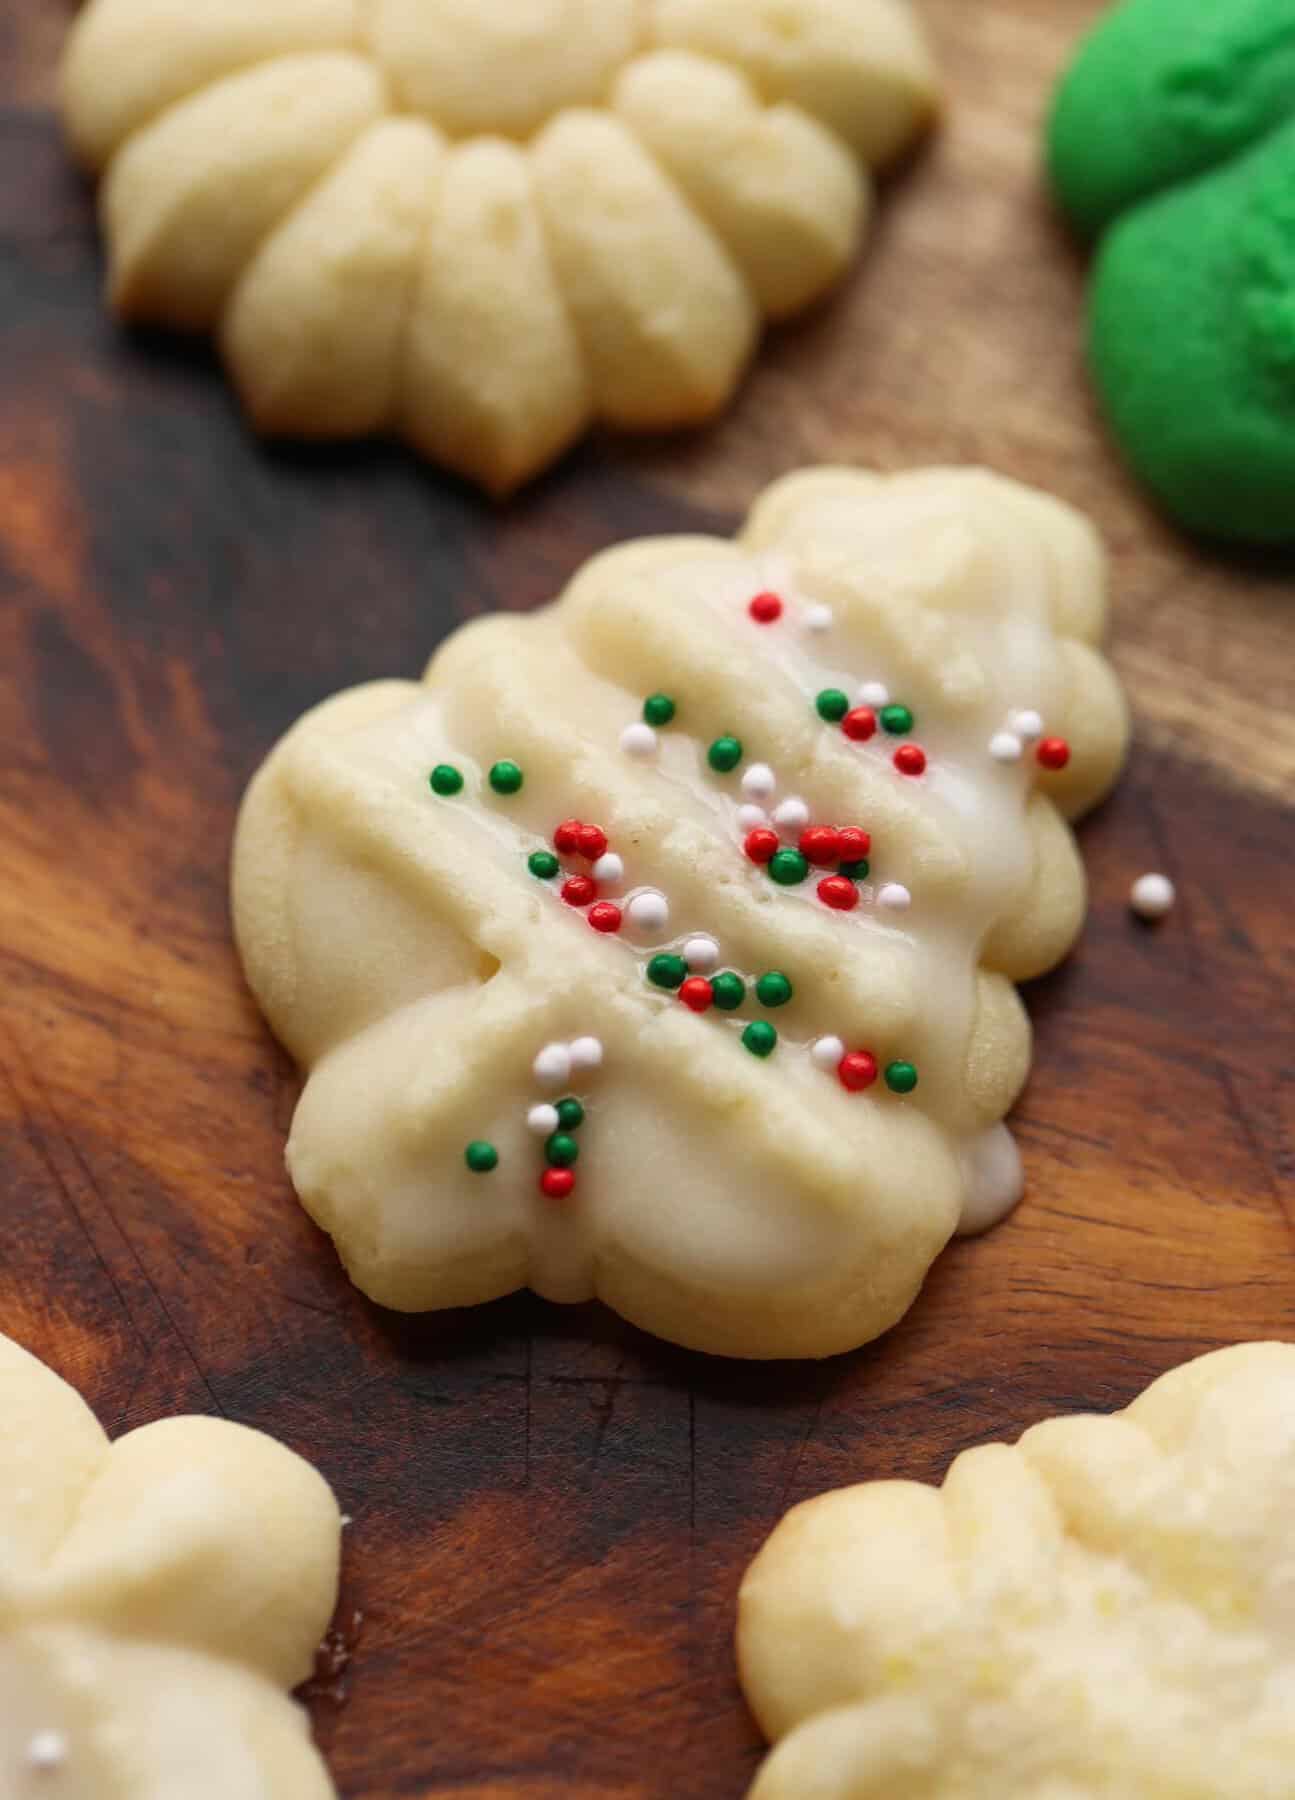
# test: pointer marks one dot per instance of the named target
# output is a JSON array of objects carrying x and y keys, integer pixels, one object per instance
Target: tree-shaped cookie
[
  {"x": 660, "y": 947},
  {"x": 1173, "y": 135},
  {"x": 483, "y": 224},
  {"x": 1105, "y": 1609},
  {"x": 158, "y": 1599}
]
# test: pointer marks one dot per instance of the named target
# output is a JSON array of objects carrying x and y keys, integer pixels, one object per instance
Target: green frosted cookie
[{"x": 1174, "y": 135}]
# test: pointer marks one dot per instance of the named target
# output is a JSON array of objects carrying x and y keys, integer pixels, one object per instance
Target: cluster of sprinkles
[
  {"x": 873, "y": 708},
  {"x": 646, "y": 910},
  {"x": 505, "y": 777},
  {"x": 856, "y": 1070},
  {"x": 1023, "y": 728},
  {"x": 556, "y": 1122},
  {"x": 689, "y": 975}
]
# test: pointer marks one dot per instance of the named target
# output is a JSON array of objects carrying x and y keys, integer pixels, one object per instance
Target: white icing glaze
[
  {"x": 710, "y": 1175},
  {"x": 994, "y": 1180}
]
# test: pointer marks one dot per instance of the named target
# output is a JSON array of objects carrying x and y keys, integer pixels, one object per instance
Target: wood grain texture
[{"x": 551, "y": 1511}]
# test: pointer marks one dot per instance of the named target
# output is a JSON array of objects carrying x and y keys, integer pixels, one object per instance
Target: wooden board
[{"x": 551, "y": 1511}]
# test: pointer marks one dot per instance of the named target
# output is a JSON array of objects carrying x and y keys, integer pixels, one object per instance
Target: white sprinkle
[
  {"x": 748, "y": 817},
  {"x": 818, "y": 618},
  {"x": 1027, "y": 724},
  {"x": 701, "y": 954},
  {"x": 543, "y": 1120},
  {"x": 895, "y": 896},
  {"x": 639, "y": 739},
  {"x": 586, "y": 1053},
  {"x": 552, "y": 1067},
  {"x": 827, "y": 1052},
  {"x": 1005, "y": 747},
  {"x": 793, "y": 814},
  {"x": 874, "y": 693},
  {"x": 648, "y": 911},
  {"x": 609, "y": 867},
  {"x": 759, "y": 781},
  {"x": 1152, "y": 896},
  {"x": 345, "y": 1519},
  {"x": 46, "y": 1750}
]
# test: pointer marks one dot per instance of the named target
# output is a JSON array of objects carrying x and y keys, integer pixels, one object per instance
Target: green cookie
[{"x": 1173, "y": 123}]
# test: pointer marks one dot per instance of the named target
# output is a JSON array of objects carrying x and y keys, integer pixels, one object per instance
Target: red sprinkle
[
  {"x": 1053, "y": 753},
  {"x": 840, "y": 892},
  {"x": 579, "y": 890},
  {"x": 605, "y": 916},
  {"x": 910, "y": 759},
  {"x": 592, "y": 842},
  {"x": 860, "y": 724},
  {"x": 854, "y": 843},
  {"x": 696, "y": 993},
  {"x": 857, "y": 1070},
  {"x": 566, "y": 839},
  {"x": 765, "y": 608},
  {"x": 821, "y": 844},
  {"x": 760, "y": 844},
  {"x": 556, "y": 1184}
]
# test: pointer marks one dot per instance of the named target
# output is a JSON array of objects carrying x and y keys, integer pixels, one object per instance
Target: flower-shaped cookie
[
  {"x": 661, "y": 946},
  {"x": 1105, "y": 1609},
  {"x": 1173, "y": 134},
  {"x": 158, "y": 1597},
  {"x": 485, "y": 223}
]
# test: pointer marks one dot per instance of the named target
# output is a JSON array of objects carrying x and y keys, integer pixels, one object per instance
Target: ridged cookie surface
[
  {"x": 1104, "y": 1611},
  {"x": 483, "y": 224},
  {"x": 790, "y": 824}
]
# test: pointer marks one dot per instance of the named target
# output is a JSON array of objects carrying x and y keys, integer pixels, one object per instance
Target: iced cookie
[
  {"x": 1105, "y": 1609},
  {"x": 484, "y": 224},
  {"x": 158, "y": 1598},
  {"x": 1174, "y": 135},
  {"x": 660, "y": 947}
]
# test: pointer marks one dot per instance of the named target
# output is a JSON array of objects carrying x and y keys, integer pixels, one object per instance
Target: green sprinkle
[
  {"x": 725, "y": 754},
  {"x": 832, "y": 705},
  {"x": 560, "y": 1151},
  {"x": 506, "y": 778},
  {"x": 481, "y": 1157},
  {"x": 727, "y": 990},
  {"x": 856, "y": 871},
  {"x": 896, "y": 720},
  {"x": 788, "y": 867},
  {"x": 445, "y": 780},
  {"x": 901, "y": 1077},
  {"x": 666, "y": 971},
  {"x": 658, "y": 709},
  {"x": 571, "y": 1115},
  {"x": 760, "y": 1037},
  {"x": 773, "y": 989},
  {"x": 543, "y": 864}
]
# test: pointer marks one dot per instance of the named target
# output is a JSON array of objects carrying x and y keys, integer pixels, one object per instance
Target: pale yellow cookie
[
  {"x": 158, "y": 1598},
  {"x": 484, "y": 224},
  {"x": 739, "y": 1193},
  {"x": 1105, "y": 1611}
]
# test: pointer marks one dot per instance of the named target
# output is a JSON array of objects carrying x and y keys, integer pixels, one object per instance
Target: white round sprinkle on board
[
  {"x": 701, "y": 954},
  {"x": 1027, "y": 724},
  {"x": 792, "y": 815},
  {"x": 543, "y": 1120},
  {"x": 818, "y": 618},
  {"x": 639, "y": 740},
  {"x": 648, "y": 911},
  {"x": 1152, "y": 896},
  {"x": 827, "y": 1052},
  {"x": 608, "y": 867},
  {"x": 46, "y": 1750},
  {"x": 1006, "y": 747},
  {"x": 874, "y": 693},
  {"x": 552, "y": 1066},
  {"x": 748, "y": 817},
  {"x": 586, "y": 1053},
  {"x": 759, "y": 781},
  {"x": 894, "y": 896}
]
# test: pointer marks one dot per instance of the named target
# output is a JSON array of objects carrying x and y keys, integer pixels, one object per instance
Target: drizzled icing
[{"x": 400, "y": 941}]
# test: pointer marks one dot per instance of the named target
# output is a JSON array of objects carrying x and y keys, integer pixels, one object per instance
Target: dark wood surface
[{"x": 551, "y": 1511}]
